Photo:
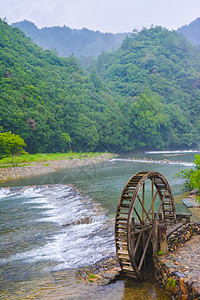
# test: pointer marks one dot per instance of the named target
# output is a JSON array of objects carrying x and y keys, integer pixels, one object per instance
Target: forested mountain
[
  {"x": 155, "y": 80},
  {"x": 42, "y": 96},
  {"x": 145, "y": 94},
  {"x": 69, "y": 41},
  {"x": 191, "y": 32}
]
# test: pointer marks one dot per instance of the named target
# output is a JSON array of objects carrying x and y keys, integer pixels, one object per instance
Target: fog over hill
[
  {"x": 191, "y": 32},
  {"x": 88, "y": 43},
  {"x": 67, "y": 41}
]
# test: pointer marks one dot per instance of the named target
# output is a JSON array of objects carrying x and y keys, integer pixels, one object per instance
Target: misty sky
[{"x": 103, "y": 15}]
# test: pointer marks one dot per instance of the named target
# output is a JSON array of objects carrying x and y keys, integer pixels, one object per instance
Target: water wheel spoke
[
  {"x": 137, "y": 243},
  {"x": 138, "y": 215},
  {"x": 150, "y": 208},
  {"x": 144, "y": 251},
  {"x": 163, "y": 197},
  {"x": 144, "y": 210},
  {"x": 157, "y": 213},
  {"x": 155, "y": 196}
]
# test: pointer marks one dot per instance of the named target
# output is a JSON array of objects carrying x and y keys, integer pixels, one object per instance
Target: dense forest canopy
[
  {"x": 42, "y": 96},
  {"x": 145, "y": 94},
  {"x": 155, "y": 80}
]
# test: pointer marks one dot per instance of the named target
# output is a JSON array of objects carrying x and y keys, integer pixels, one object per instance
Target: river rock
[{"x": 194, "y": 192}]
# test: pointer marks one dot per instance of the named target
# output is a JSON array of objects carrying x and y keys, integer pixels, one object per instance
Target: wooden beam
[{"x": 155, "y": 235}]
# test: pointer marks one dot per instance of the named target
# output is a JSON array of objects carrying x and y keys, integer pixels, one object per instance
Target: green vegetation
[
  {"x": 160, "y": 253},
  {"x": 11, "y": 145},
  {"x": 155, "y": 80},
  {"x": 42, "y": 96},
  {"x": 192, "y": 176},
  {"x": 171, "y": 285},
  {"x": 145, "y": 94},
  {"x": 67, "y": 138},
  {"x": 195, "y": 175},
  {"x": 92, "y": 276},
  {"x": 26, "y": 159}
]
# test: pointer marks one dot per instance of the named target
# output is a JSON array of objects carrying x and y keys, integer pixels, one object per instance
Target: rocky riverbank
[
  {"x": 39, "y": 168},
  {"x": 101, "y": 273}
]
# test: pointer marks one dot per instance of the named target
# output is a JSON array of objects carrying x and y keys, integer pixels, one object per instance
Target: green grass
[
  {"x": 2, "y": 166},
  {"x": 92, "y": 276},
  {"x": 26, "y": 159}
]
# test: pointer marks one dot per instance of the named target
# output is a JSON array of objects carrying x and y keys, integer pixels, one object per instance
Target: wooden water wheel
[{"x": 147, "y": 196}]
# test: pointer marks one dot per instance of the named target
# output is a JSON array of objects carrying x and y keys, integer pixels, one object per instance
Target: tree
[
  {"x": 195, "y": 176},
  {"x": 96, "y": 80},
  {"x": 67, "y": 138},
  {"x": 192, "y": 176},
  {"x": 149, "y": 122},
  {"x": 11, "y": 144},
  {"x": 86, "y": 136}
]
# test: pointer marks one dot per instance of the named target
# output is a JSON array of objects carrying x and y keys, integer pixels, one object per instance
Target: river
[{"x": 39, "y": 254}]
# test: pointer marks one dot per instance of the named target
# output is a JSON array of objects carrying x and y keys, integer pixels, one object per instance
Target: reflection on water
[
  {"x": 63, "y": 285},
  {"x": 38, "y": 253},
  {"x": 104, "y": 182}
]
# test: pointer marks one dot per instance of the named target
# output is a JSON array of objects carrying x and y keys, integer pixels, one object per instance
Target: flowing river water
[{"x": 53, "y": 224}]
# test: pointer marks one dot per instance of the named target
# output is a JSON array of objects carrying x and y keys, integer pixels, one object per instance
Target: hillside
[
  {"x": 191, "y": 32},
  {"x": 42, "y": 96},
  {"x": 145, "y": 94},
  {"x": 155, "y": 79},
  {"x": 69, "y": 41}
]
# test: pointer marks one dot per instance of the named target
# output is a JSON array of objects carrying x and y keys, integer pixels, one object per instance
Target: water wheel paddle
[{"x": 146, "y": 196}]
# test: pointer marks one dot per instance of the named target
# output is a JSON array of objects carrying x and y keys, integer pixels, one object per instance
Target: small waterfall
[{"x": 53, "y": 226}]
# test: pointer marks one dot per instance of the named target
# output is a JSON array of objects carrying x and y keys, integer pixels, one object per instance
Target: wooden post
[
  {"x": 152, "y": 189},
  {"x": 143, "y": 195},
  {"x": 163, "y": 238},
  {"x": 155, "y": 235},
  {"x": 144, "y": 241},
  {"x": 132, "y": 223},
  {"x": 188, "y": 218}
]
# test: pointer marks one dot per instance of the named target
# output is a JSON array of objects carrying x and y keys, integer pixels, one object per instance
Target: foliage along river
[{"x": 39, "y": 254}]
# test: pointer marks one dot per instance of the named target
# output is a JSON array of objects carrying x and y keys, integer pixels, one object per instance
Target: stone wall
[
  {"x": 177, "y": 285},
  {"x": 169, "y": 271},
  {"x": 182, "y": 235}
]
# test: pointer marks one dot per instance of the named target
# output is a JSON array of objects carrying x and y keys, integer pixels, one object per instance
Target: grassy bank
[
  {"x": 27, "y": 159},
  {"x": 38, "y": 164}
]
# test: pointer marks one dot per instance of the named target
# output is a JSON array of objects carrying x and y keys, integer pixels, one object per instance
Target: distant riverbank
[
  {"x": 151, "y": 161},
  {"x": 45, "y": 167}
]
